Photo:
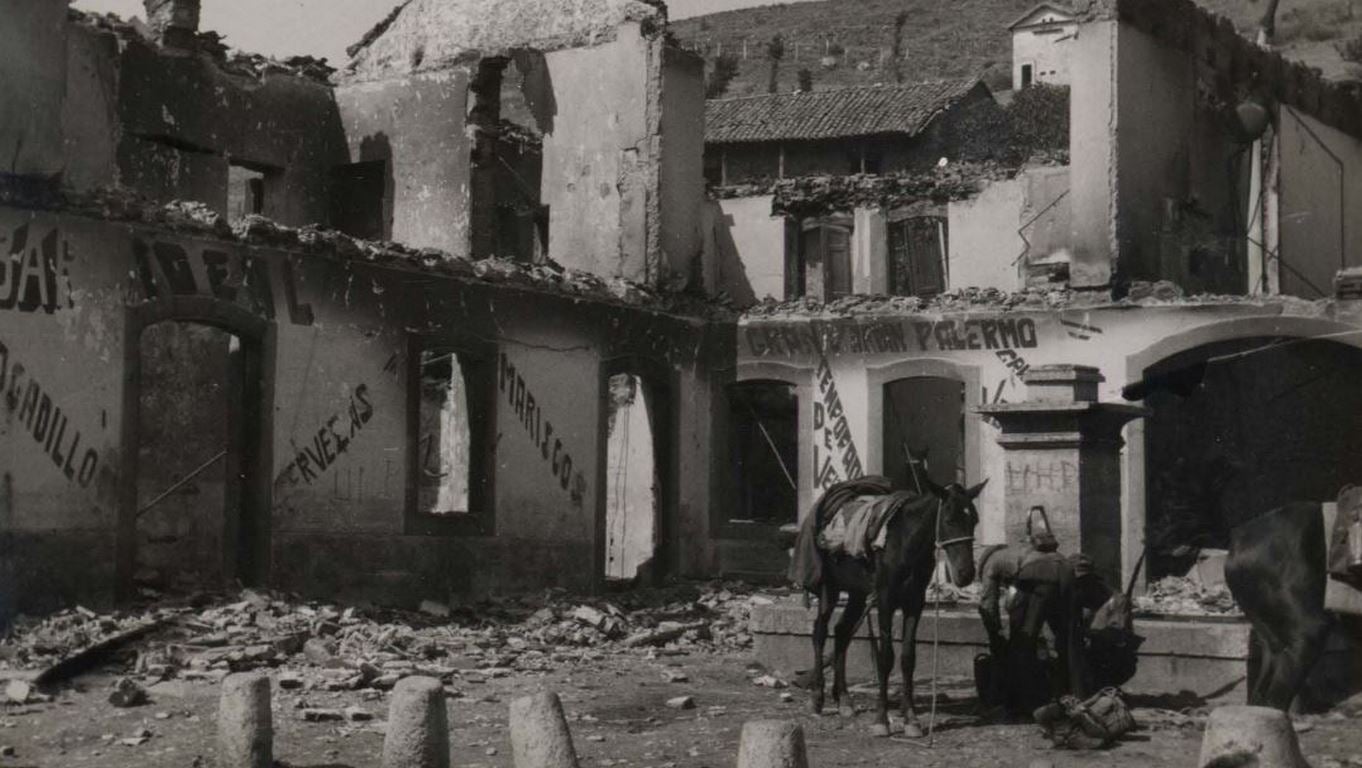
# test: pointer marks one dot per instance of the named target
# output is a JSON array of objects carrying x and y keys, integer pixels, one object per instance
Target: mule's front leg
[
  {"x": 911, "y": 614},
  {"x": 885, "y": 666},
  {"x": 846, "y": 628},
  {"x": 827, "y": 601}
]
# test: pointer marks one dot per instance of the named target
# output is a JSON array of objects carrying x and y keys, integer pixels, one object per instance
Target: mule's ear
[
  {"x": 938, "y": 491},
  {"x": 973, "y": 493}
]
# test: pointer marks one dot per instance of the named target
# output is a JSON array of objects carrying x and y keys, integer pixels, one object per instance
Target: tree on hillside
[
  {"x": 805, "y": 80},
  {"x": 725, "y": 69},
  {"x": 775, "y": 51},
  {"x": 1267, "y": 26},
  {"x": 896, "y": 58}
]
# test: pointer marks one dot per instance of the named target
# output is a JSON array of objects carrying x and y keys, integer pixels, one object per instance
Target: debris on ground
[
  {"x": 1179, "y": 595},
  {"x": 127, "y": 693},
  {"x": 681, "y": 702},
  {"x": 317, "y": 646}
]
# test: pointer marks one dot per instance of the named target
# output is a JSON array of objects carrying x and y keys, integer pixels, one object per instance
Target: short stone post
[
  {"x": 772, "y": 744},
  {"x": 245, "y": 726},
  {"x": 1259, "y": 736},
  {"x": 418, "y": 730},
  {"x": 539, "y": 733}
]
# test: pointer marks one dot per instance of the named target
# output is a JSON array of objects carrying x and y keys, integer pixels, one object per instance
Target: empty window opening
[
  {"x": 358, "y": 195},
  {"x": 917, "y": 256},
  {"x": 631, "y": 480},
  {"x": 924, "y": 414},
  {"x": 507, "y": 160},
  {"x": 764, "y": 445},
  {"x": 444, "y": 448},
  {"x": 825, "y": 256},
  {"x": 196, "y": 406},
  {"x": 245, "y": 191}
]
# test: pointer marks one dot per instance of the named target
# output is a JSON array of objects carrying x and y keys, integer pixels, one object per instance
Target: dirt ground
[{"x": 616, "y": 705}]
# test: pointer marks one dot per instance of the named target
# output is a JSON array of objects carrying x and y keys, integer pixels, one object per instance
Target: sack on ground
[{"x": 1092, "y": 724}]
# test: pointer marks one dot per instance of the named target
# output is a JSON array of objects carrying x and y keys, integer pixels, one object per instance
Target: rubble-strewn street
[{"x": 655, "y": 679}]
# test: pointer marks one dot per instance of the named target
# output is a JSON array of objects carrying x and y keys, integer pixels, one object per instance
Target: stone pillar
[
  {"x": 174, "y": 21},
  {"x": 1062, "y": 450}
]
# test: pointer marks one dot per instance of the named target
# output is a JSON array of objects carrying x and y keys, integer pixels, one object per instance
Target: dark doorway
[
  {"x": 764, "y": 446},
  {"x": 198, "y": 436},
  {"x": 924, "y": 413},
  {"x": 1266, "y": 421}
]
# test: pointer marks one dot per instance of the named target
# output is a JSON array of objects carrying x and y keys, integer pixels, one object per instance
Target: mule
[
  {"x": 898, "y": 575},
  {"x": 1276, "y": 572}
]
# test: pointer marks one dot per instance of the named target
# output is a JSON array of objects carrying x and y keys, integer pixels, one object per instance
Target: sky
[{"x": 325, "y": 27}]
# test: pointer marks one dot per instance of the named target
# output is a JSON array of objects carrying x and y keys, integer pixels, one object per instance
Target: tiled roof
[
  {"x": 833, "y": 114},
  {"x": 1064, "y": 11}
]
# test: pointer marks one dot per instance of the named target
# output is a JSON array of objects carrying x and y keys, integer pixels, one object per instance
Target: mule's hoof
[
  {"x": 880, "y": 730},
  {"x": 846, "y": 709},
  {"x": 816, "y": 706},
  {"x": 912, "y": 730}
]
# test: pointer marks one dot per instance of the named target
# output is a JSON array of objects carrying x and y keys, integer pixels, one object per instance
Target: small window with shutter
[
  {"x": 825, "y": 257},
  {"x": 917, "y": 256}
]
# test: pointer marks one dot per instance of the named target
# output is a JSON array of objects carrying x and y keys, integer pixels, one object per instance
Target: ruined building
[{"x": 460, "y": 317}]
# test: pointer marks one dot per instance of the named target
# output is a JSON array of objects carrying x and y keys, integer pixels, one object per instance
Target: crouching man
[{"x": 1041, "y": 592}]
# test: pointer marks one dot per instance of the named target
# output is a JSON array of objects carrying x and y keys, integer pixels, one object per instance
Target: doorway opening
[
  {"x": 198, "y": 428},
  {"x": 764, "y": 445},
  {"x": 924, "y": 413},
  {"x": 1239, "y": 428},
  {"x": 632, "y": 501}
]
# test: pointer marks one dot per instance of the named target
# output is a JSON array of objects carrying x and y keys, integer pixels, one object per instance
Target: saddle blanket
[
  {"x": 859, "y": 526},
  {"x": 1339, "y": 595}
]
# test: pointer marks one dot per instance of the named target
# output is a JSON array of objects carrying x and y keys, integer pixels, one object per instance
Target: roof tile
[{"x": 833, "y": 114}]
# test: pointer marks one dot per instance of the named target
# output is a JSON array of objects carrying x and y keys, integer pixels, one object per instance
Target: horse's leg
[
  {"x": 885, "y": 606},
  {"x": 1293, "y": 662},
  {"x": 846, "y": 627},
  {"x": 827, "y": 602},
  {"x": 912, "y": 615}
]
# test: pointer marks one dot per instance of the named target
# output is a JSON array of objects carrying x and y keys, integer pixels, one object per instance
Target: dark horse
[
  {"x": 1276, "y": 572},
  {"x": 898, "y": 577}
]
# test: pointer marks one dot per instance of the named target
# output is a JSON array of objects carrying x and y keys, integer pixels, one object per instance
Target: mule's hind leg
[
  {"x": 1259, "y": 668},
  {"x": 846, "y": 627},
  {"x": 827, "y": 602},
  {"x": 1292, "y": 663}
]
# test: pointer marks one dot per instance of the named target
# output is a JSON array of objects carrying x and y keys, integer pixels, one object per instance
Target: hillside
[{"x": 849, "y": 42}]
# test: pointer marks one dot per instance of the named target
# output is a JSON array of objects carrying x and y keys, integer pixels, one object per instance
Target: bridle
[{"x": 940, "y": 505}]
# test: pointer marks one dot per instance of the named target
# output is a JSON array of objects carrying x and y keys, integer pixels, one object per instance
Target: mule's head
[{"x": 956, "y": 533}]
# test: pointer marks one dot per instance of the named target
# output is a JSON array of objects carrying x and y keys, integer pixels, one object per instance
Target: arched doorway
[
  {"x": 631, "y": 490},
  {"x": 924, "y": 413},
  {"x": 635, "y": 475},
  {"x": 1239, "y": 426},
  {"x": 195, "y": 509}
]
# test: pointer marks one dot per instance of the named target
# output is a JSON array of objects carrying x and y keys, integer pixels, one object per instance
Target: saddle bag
[{"x": 1093, "y": 724}]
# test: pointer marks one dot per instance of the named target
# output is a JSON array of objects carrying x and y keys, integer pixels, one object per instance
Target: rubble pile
[
  {"x": 38, "y": 643},
  {"x": 1181, "y": 596},
  {"x": 337, "y": 648}
]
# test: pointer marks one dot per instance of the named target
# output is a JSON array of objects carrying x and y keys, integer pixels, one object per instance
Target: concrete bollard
[
  {"x": 418, "y": 731},
  {"x": 772, "y": 744},
  {"x": 1259, "y": 736},
  {"x": 245, "y": 726},
  {"x": 539, "y": 733}
]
